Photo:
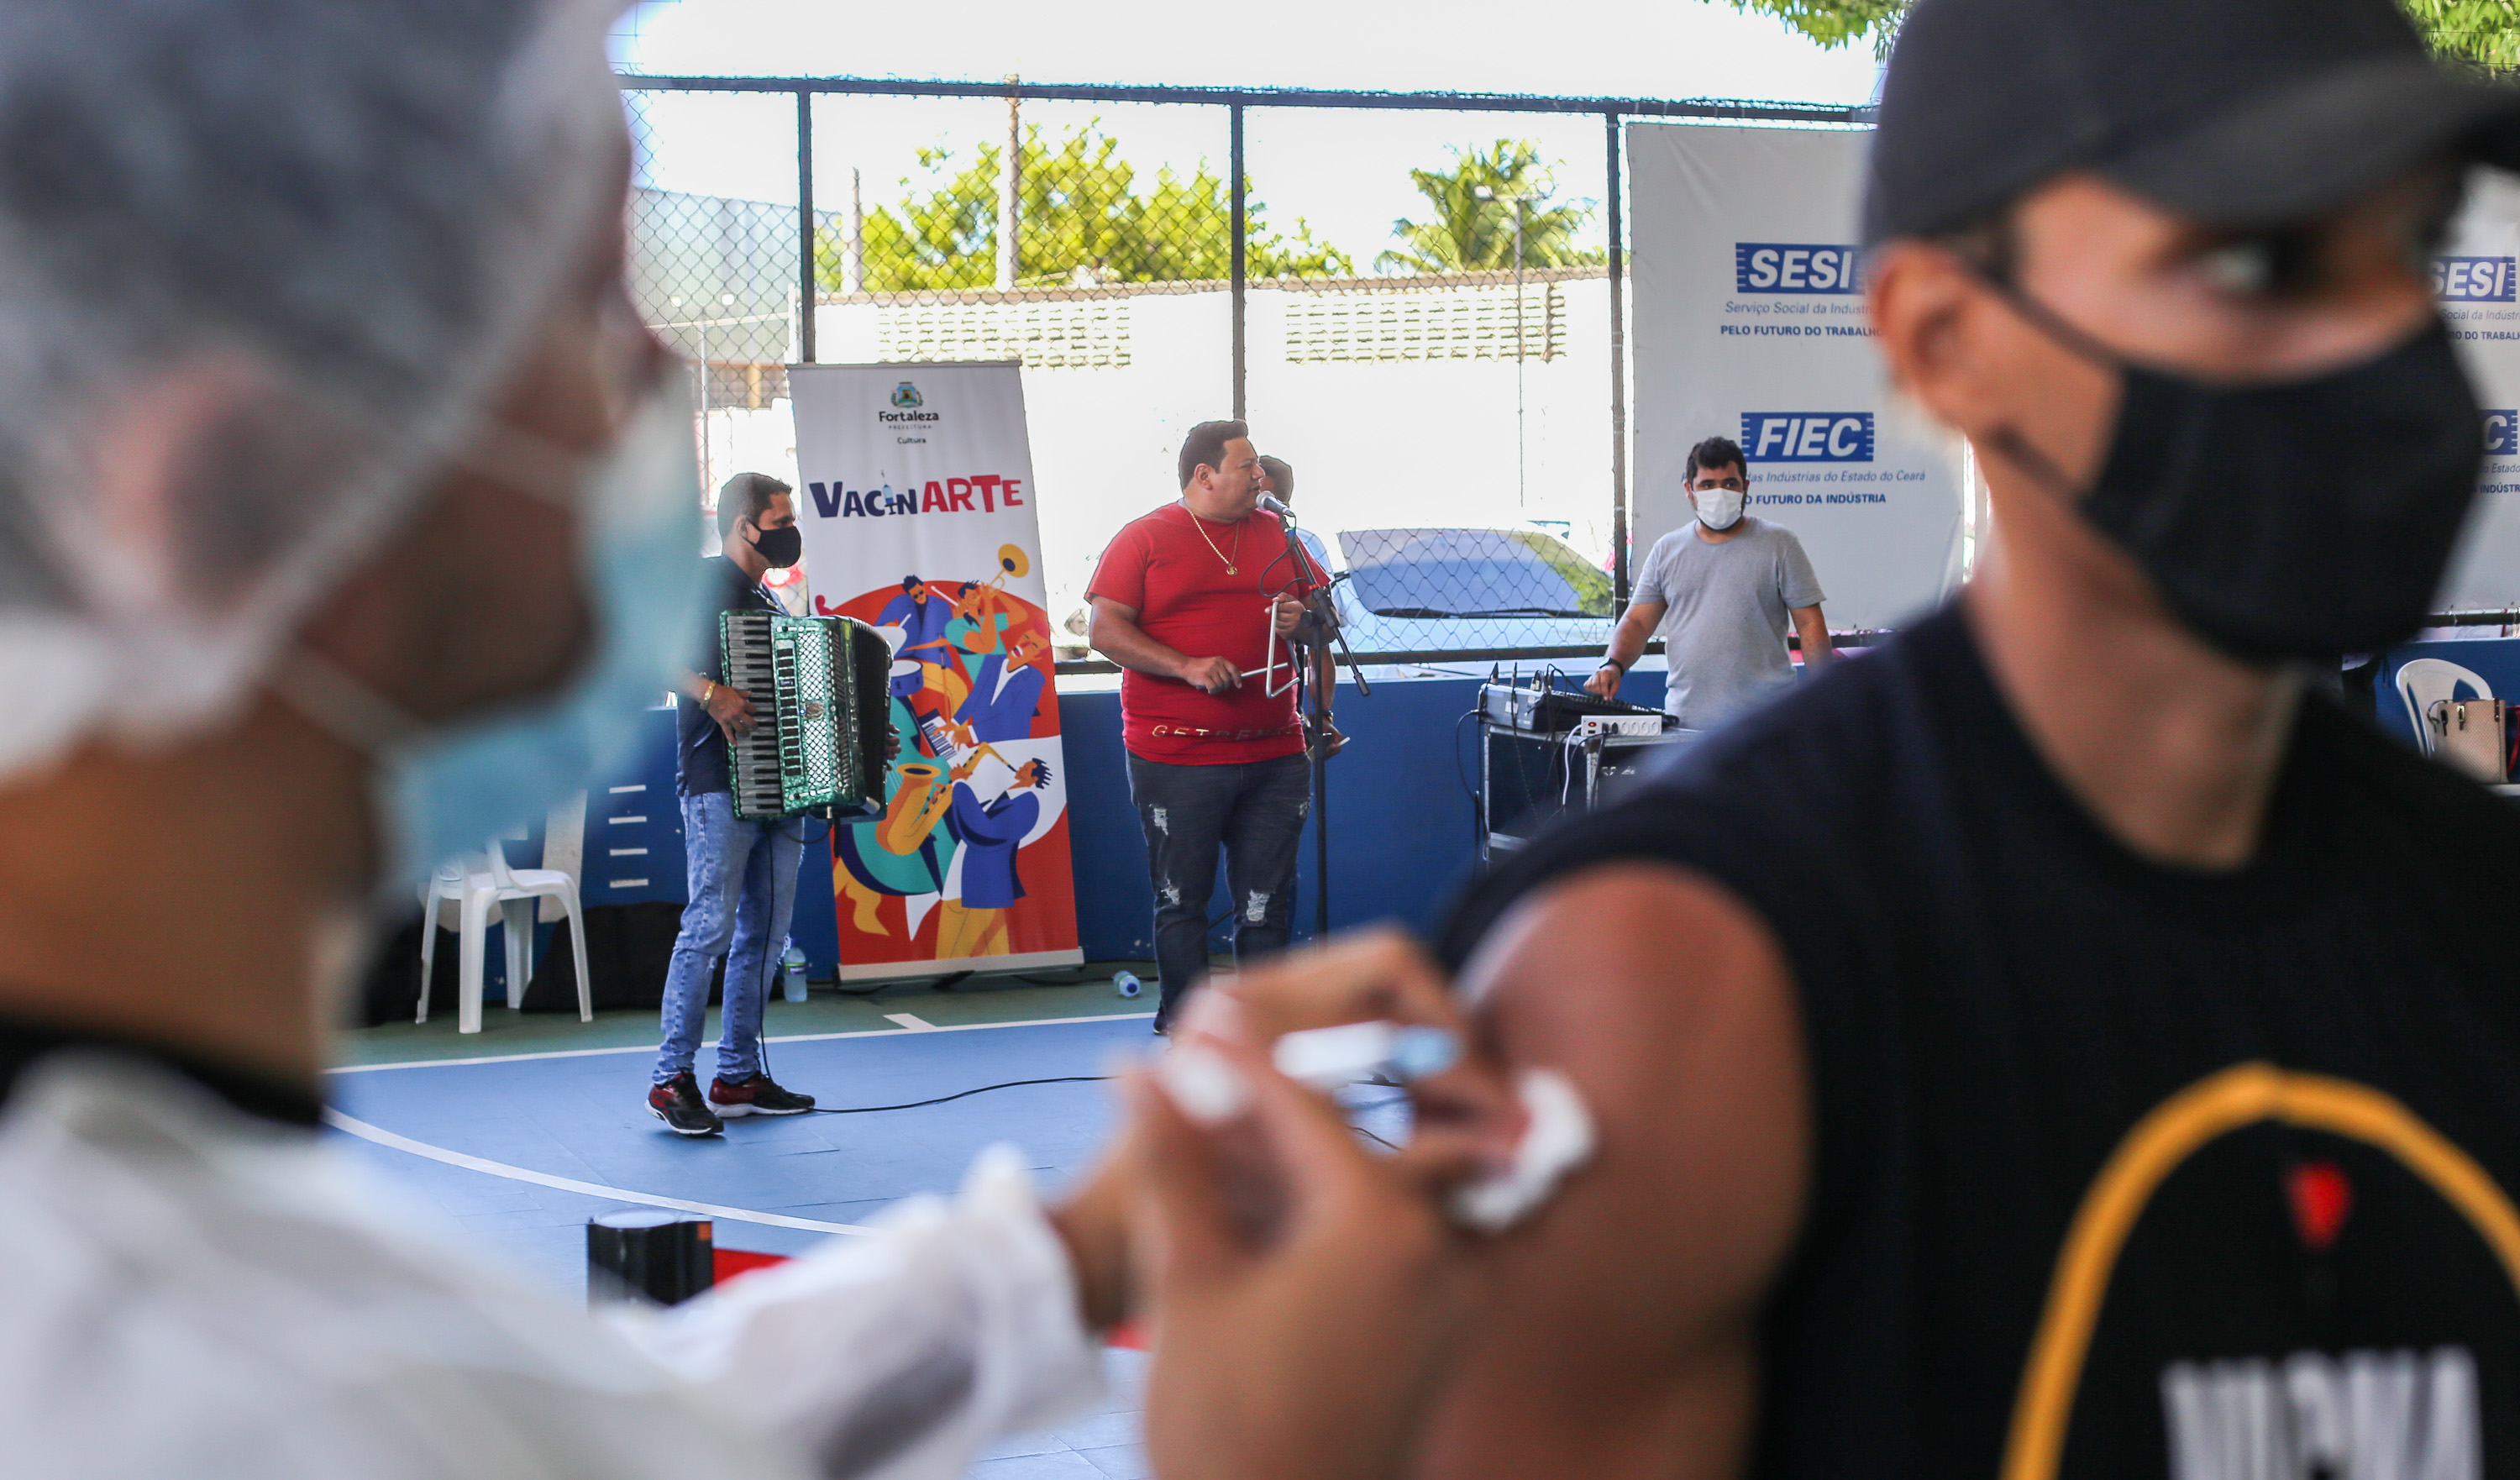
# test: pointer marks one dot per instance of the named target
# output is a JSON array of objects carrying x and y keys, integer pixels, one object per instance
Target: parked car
[
  {"x": 1440, "y": 589},
  {"x": 1477, "y": 588}
]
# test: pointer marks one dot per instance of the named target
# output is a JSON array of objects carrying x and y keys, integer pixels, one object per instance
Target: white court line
[
  {"x": 955, "y": 1028},
  {"x": 910, "y": 1020},
  {"x": 387, "y": 1139}
]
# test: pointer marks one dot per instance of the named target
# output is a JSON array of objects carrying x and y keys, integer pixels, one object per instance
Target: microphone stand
[{"x": 1315, "y": 636}]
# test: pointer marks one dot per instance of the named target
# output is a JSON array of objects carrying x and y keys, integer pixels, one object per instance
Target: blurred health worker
[{"x": 316, "y": 363}]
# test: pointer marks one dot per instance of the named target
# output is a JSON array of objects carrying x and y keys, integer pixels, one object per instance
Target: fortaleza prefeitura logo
[{"x": 907, "y": 400}]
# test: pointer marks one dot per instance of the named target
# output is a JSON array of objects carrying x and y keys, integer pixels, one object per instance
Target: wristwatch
[{"x": 1611, "y": 662}]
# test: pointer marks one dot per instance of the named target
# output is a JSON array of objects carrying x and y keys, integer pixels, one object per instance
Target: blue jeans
[
  {"x": 1255, "y": 812},
  {"x": 742, "y": 887}
]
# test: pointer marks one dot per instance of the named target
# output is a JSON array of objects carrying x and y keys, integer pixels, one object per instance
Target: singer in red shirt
[{"x": 1196, "y": 602}]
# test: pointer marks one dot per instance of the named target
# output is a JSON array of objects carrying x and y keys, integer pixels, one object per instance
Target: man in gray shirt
[{"x": 1729, "y": 582}]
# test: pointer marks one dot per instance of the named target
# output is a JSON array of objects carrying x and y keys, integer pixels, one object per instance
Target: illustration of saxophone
[
  {"x": 926, "y": 792},
  {"x": 914, "y": 809}
]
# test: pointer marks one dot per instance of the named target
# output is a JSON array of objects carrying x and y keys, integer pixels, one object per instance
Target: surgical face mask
[
  {"x": 442, "y": 793},
  {"x": 2301, "y": 518},
  {"x": 781, "y": 546},
  {"x": 1718, "y": 509}
]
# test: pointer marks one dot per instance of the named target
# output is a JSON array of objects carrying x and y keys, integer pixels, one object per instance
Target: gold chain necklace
[{"x": 1200, "y": 524}]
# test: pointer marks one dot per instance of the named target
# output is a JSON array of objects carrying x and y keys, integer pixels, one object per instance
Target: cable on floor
[{"x": 868, "y": 1109}]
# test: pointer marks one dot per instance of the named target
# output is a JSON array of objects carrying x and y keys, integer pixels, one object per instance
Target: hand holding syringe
[{"x": 1533, "y": 1127}]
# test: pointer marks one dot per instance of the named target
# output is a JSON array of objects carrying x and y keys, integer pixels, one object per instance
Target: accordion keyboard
[
  {"x": 821, "y": 714},
  {"x": 753, "y": 760}
]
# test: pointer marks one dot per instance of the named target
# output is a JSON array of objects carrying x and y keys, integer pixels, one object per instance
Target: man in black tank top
[{"x": 2056, "y": 1044}]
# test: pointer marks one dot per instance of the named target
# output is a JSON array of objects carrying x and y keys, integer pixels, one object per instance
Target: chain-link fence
[{"x": 1417, "y": 300}]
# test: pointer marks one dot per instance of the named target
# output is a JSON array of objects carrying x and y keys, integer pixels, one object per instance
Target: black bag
[
  {"x": 390, "y": 992},
  {"x": 628, "y": 947}
]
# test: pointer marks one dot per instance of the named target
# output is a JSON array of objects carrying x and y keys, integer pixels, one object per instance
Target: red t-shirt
[{"x": 1177, "y": 582}]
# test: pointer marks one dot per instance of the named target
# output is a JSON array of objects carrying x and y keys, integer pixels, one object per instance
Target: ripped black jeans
[{"x": 1255, "y": 812}]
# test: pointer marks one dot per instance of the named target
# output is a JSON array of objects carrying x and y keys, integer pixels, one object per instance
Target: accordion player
[{"x": 821, "y": 694}]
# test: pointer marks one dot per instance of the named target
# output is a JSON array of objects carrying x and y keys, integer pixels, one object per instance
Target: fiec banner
[
  {"x": 918, "y": 509},
  {"x": 1750, "y": 323},
  {"x": 2473, "y": 279}
]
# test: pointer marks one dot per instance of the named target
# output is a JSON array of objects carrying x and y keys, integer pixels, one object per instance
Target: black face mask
[
  {"x": 2298, "y": 519},
  {"x": 781, "y": 546}
]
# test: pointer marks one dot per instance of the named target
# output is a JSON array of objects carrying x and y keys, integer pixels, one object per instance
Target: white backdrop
[
  {"x": 1749, "y": 323},
  {"x": 2475, "y": 280},
  {"x": 920, "y": 514}
]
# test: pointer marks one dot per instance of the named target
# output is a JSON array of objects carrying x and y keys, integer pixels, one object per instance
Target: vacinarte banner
[
  {"x": 920, "y": 515},
  {"x": 1750, "y": 323}
]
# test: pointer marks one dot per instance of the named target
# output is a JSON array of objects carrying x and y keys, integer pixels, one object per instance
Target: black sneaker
[
  {"x": 758, "y": 1096},
  {"x": 678, "y": 1103}
]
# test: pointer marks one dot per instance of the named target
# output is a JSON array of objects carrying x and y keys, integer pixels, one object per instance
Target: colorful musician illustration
[{"x": 976, "y": 782}]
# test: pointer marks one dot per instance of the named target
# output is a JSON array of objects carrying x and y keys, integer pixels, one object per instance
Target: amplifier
[
  {"x": 1555, "y": 711},
  {"x": 1621, "y": 723}
]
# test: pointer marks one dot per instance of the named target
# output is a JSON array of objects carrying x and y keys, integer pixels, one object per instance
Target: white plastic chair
[
  {"x": 513, "y": 891},
  {"x": 2423, "y": 682}
]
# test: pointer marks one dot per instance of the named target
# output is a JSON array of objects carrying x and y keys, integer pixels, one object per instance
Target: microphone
[{"x": 1276, "y": 507}]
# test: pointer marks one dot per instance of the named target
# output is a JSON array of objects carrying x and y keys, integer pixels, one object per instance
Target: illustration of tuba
[{"x": 989, "y": 598}]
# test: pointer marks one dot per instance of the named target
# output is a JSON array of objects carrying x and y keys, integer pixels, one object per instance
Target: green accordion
[{"x": 819, "y": 688}]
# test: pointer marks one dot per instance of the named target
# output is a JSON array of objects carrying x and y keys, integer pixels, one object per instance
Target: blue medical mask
[{"x": 444, "y": 792}]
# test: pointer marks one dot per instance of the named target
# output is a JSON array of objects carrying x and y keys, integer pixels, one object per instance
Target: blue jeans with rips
[
  {"x": 1254, "y": 810},
  {"x": 743, "y": 887}
]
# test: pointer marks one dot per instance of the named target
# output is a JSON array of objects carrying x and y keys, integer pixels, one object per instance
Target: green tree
[
  {"x": 2483, "y": 33},
  {"x": 1474, "y": 215},
  {"x": 1835, "y": 22},
  {"x": 1080, "y": 220}
]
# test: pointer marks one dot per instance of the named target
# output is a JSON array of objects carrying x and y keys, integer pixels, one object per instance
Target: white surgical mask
[
  {"x": 442, "y": 792},
  {"x": 1718, "y": 509}
]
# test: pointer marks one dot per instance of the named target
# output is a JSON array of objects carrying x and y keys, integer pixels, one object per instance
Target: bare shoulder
[
  {"x": 1623, "y": 1332},
  {"x": 1670, "y": 1003}
]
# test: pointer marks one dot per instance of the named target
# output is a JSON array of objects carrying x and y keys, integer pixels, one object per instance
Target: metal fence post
[
  {"x": 1239, "y": 261},
  {"x": 804, "y": 226},
  {"x": 1010, "y": 193},
  {"x": 1619, "y": 573}
]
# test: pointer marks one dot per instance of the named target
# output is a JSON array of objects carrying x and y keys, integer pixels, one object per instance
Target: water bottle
[
  {"x": 1127, "y": 984},
  {"x": 796, "y": 972}
]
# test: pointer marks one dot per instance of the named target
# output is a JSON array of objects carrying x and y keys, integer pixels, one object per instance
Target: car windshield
[{"x": 1471, "y": 572}]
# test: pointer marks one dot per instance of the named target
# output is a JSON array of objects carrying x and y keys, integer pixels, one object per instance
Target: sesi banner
[
  {"x": 2474, "y": 282},
  {"x": 917, "y": 511},
  {"x": 1749, "y": 324}
]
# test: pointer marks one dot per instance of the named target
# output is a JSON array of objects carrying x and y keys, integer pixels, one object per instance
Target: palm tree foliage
[{"x": 1472, "y": 228}]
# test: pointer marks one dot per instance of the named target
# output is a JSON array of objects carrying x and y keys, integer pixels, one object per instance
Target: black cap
[{"x": 2232, "y": 112}]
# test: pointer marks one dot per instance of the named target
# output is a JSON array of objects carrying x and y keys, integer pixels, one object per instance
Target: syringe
[{"x": 1328, "y": 1058}]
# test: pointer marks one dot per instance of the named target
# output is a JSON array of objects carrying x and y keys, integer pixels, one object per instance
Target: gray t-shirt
[{"x": 1724, "y": 634}]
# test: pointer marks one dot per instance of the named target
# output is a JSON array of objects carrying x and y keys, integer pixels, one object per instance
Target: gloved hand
[
  {"x": 1364, "y": 976},
  {"x": 1305, "y": 1294}
]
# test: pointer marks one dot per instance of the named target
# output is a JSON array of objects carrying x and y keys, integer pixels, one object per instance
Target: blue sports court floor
[{"x": 522, "y": 1133}]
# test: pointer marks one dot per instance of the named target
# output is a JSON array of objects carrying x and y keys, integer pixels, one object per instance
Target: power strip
[{"x": 1618, "y": 724}]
